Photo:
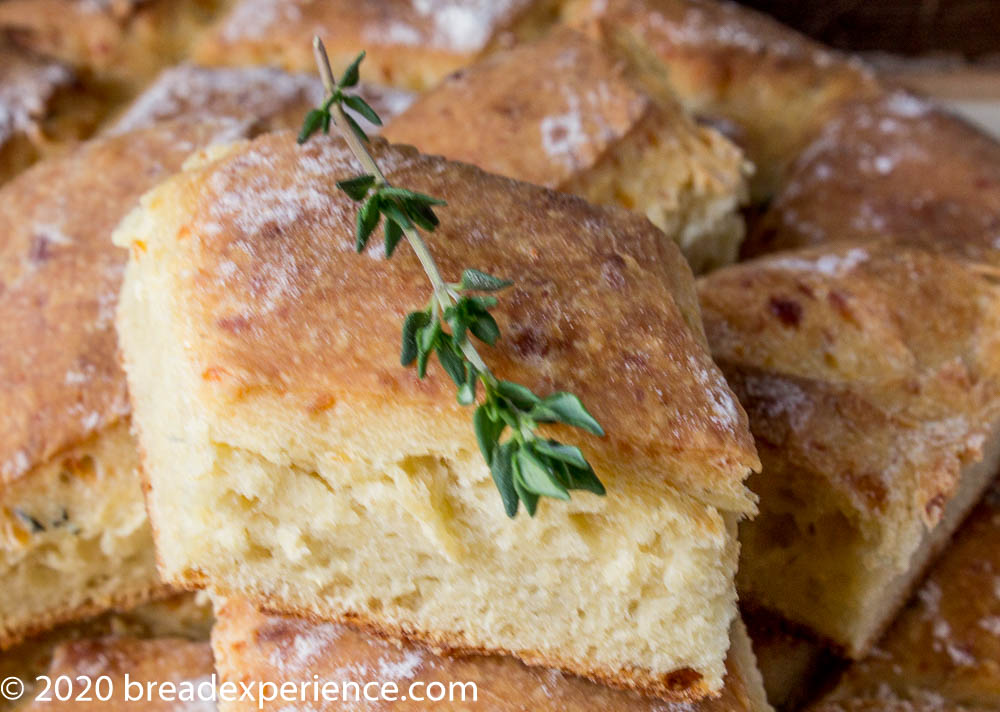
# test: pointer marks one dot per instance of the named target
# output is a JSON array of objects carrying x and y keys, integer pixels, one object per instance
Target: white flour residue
[
  {"x": 401, "y": 669},
  {"x": 829, "y": 265},
  {"x": 256, "y": 19},
  {"x": 26, "y": 85},
  {"x": 725, "y": 412},
  {"x": 991, "y": 624},
  {"x": 563, "y": 134},
  {"x": 187, "y": 90}
]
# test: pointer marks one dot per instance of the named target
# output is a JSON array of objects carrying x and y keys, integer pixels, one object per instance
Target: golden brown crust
[
  {"x": 130, "y": 660},
  {"x": 544, "y": 127},
  {"x": 248, "y": 643},
  {"x": 268, "y": 249},
  {"x": 894, "y": 167},
  {"x": 59, "y": 278},
  {"x": 407, "y": 44},
  {"x": 683, "y": 685},
  {"x": 731, "y": 63},
  {"x": 273, "y": 98},
  {"x": 946, "y": 643},
  {"x": 874, "y": 367}
]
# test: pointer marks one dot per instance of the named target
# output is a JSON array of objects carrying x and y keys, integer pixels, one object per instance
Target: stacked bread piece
[
  {"x": 291, "y": 463},
  {"x": 338, "y": 508},
  {"x": 74, "y": 531}
]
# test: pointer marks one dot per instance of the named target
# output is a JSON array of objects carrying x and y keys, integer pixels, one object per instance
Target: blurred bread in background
[
  {"x": 408, "y": 44},
  {"x": 269, "y": 98},
  {"x": 591, "y": 125},
  {"x": 44, "y": 107}
]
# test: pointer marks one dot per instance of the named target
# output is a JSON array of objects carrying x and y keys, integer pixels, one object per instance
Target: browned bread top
[
  {"x": 273, "y": 98},
  {"x": 252, "y": 645},
  {"x": 898, "y": 167},
  {"x": 772, "y": 86},
  {"x": 874, "y": 366},
  {"x": 158, "y": 661},
  {"x": 602, "y": 305},
  {"x": 408, "y": 43},
  {"x": 59, "y": 277},
  {"x": 545, "y": 126}
]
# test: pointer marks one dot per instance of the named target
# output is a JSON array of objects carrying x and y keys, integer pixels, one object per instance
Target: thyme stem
[{"x": 441, "y": 291}]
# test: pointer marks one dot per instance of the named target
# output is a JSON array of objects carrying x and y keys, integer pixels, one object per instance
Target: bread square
[
  {"x": 292, "y": 460},
  {"x": 408, "y": 44},
  {"x": 570, "y": 113},
  {"x": 253, "y": 646},
  {"x": 895, "y": 165},
  {"x": 871, "y": 378},
  {"x": 74, "y": 537}
]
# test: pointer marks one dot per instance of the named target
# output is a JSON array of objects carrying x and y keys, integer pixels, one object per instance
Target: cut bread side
[
  {"x": 293, "y": 460},
  {"x": 74, "y": 538},
  {"x": 875, "y": 443},
  {"x": 410, "y": 45},
  {"x": 272, "y": 98},
  {"x": 590, "y": 125},
  {"x": 251, "y": 645},
  {"x": 945, "y": 644}
]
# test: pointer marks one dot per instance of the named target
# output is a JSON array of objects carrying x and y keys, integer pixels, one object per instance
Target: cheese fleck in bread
[{"x": 293, "y": 460}]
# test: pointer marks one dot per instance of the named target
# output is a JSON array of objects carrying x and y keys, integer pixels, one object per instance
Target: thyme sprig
[{"x": 525, "y": 465}]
